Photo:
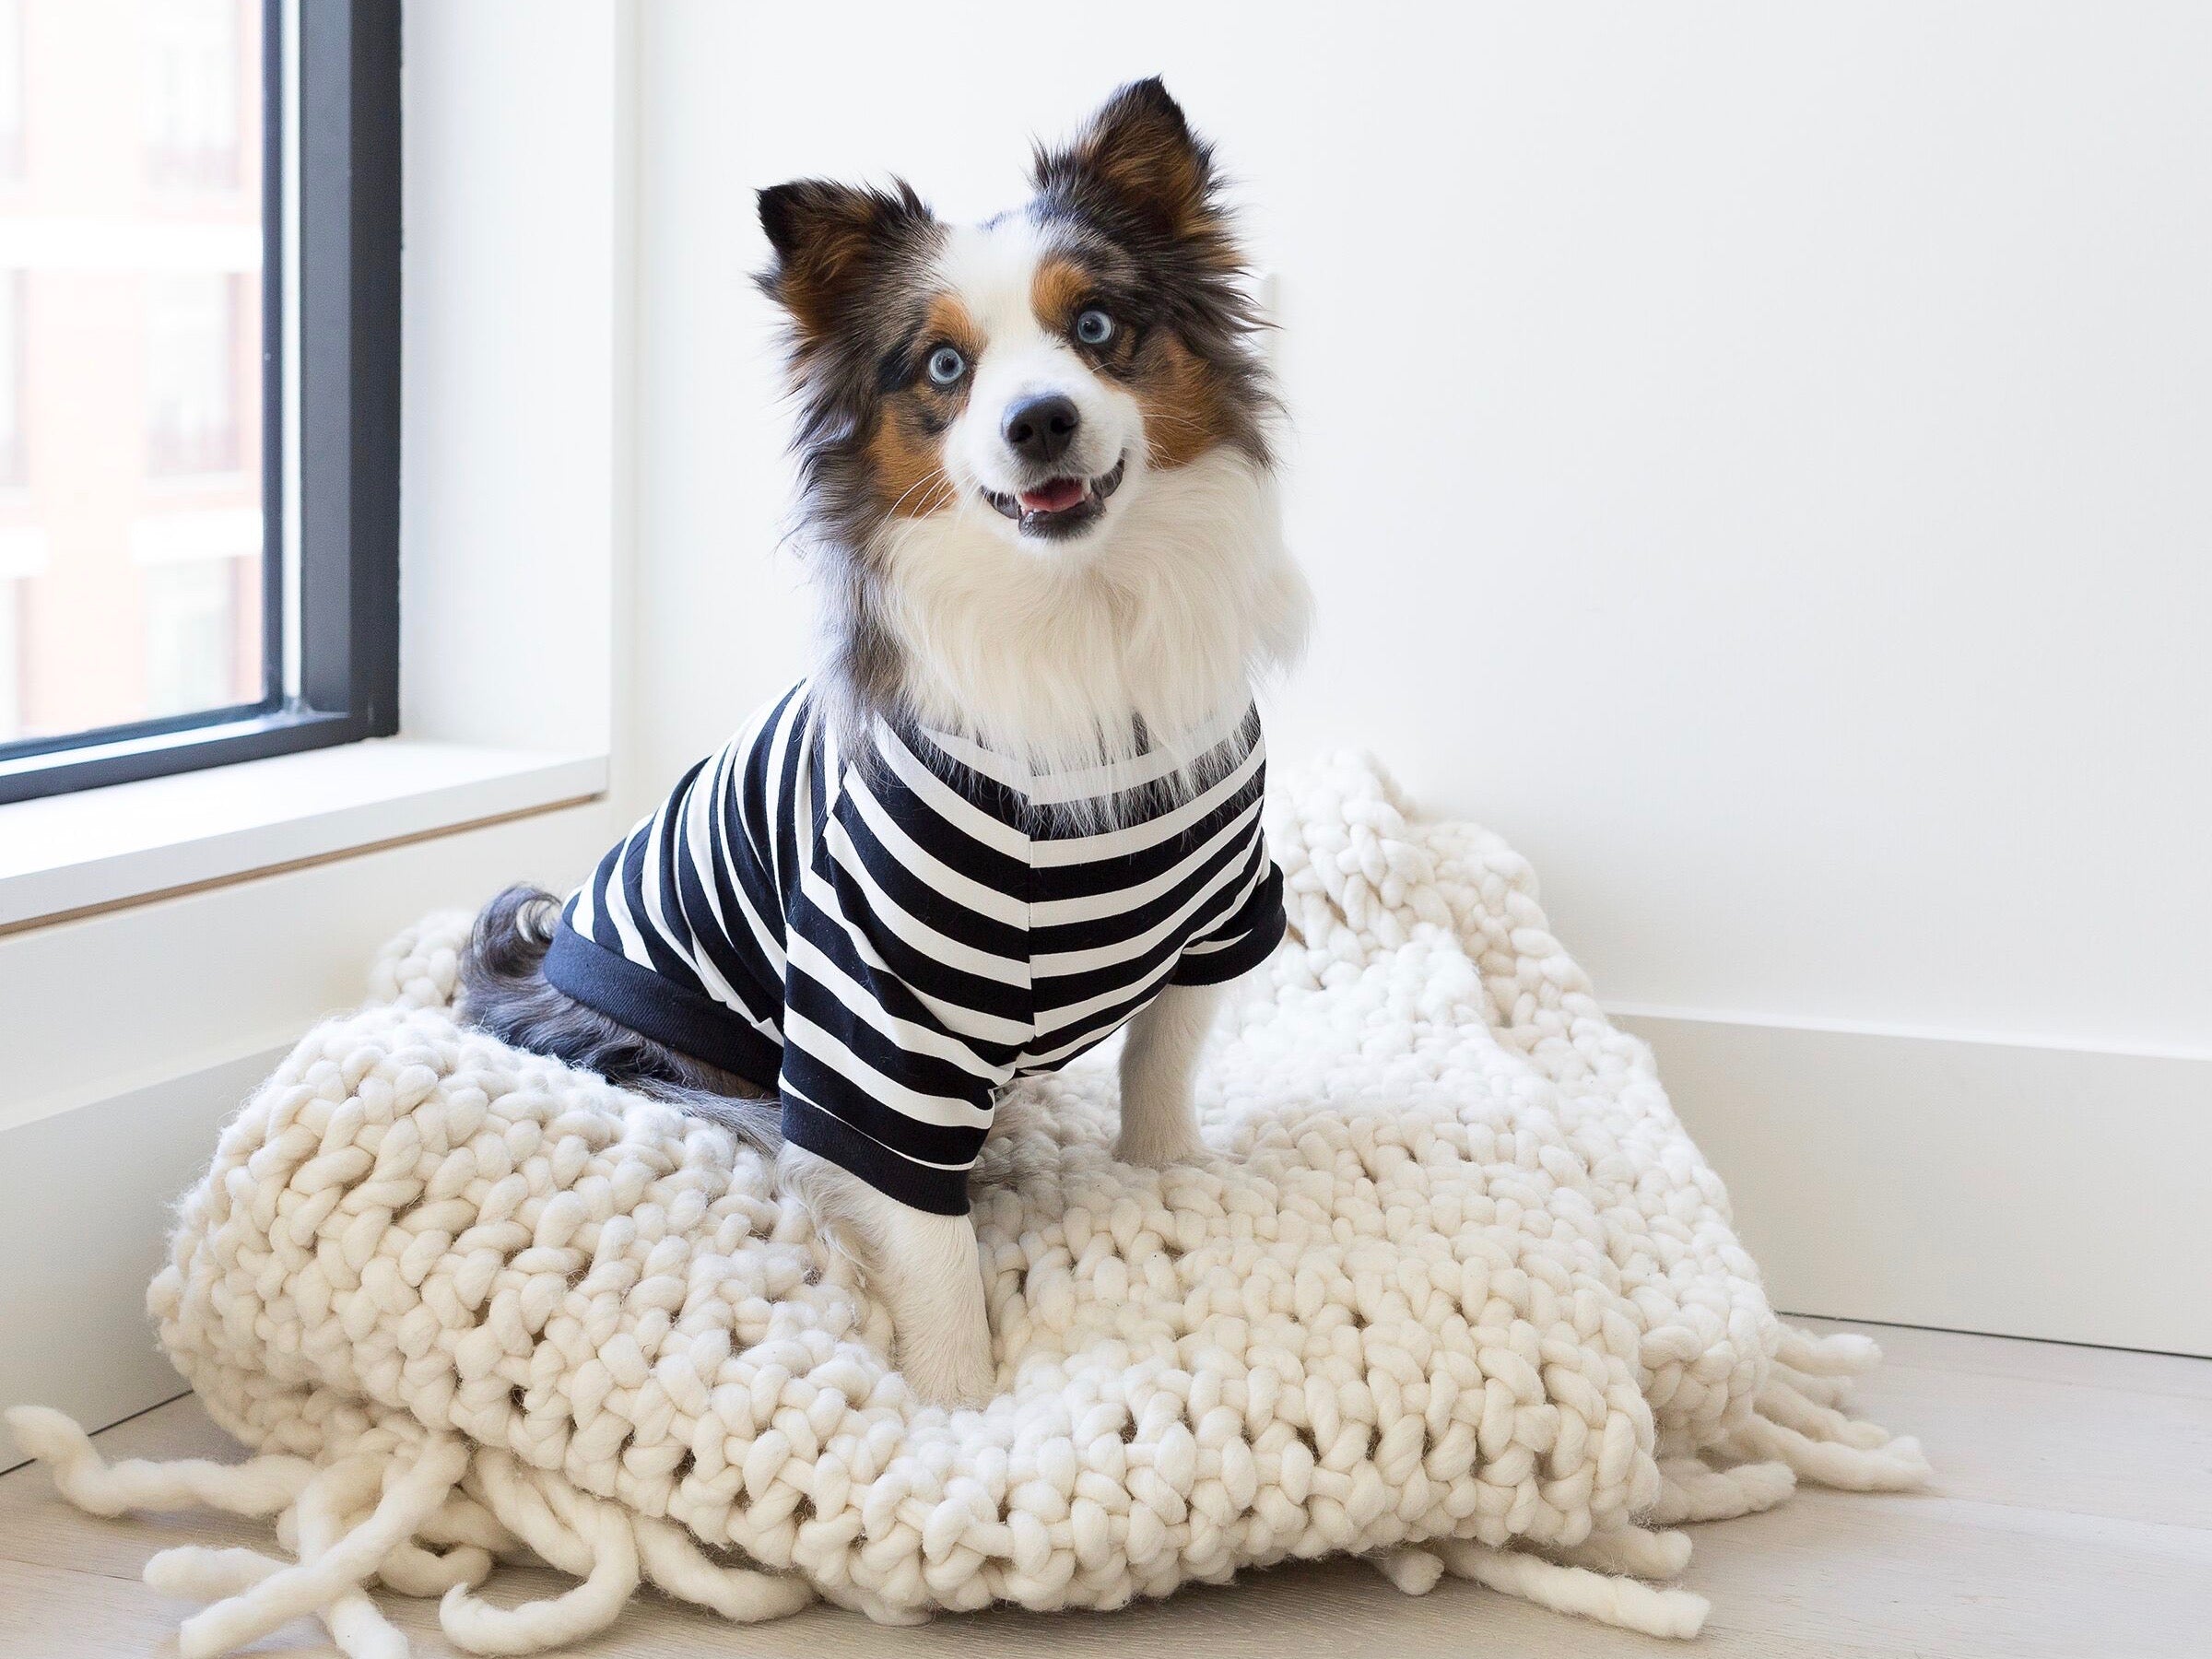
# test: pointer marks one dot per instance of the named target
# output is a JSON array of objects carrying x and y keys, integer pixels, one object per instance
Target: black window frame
[{"x": 347, "y": 271}]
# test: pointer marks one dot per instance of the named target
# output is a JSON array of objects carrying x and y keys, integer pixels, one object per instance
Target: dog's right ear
[
  {"x": 829, "y": 241},
  {"x": 1138, "y": 161}
]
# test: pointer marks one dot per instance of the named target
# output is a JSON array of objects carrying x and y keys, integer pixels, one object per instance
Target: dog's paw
[
  {"x": 1160, "y": 1151},
  {"x": 949, "y": 1366}
]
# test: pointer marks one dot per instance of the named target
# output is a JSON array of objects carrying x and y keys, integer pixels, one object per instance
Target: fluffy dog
[{"x": 1015, "y": 807}]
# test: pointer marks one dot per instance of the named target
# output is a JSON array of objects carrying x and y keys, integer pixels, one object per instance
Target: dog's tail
[
  {"x": 507, "y": 948},
  {"x": 757, "y": 1124},
  {"x": 503, "y": 991}
]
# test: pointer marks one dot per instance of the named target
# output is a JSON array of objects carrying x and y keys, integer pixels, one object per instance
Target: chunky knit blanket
[{"x": 1452, "y": 1290}]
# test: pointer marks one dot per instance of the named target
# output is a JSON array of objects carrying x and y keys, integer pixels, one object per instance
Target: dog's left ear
[{"x": 1138, "y": 160}]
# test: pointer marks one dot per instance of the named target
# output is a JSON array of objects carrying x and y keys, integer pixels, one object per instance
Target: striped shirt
[{"x": 892, "y": 943}]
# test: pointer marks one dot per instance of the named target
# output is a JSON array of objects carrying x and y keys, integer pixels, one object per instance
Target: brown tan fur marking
[
  {"x": 1058, "y": 288},
  {"x": 1186, "y": 413},
  {"x": 906, "y": 450}
]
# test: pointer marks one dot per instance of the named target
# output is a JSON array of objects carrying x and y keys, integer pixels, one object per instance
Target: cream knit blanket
[{"x": 1453, "y": 1291}]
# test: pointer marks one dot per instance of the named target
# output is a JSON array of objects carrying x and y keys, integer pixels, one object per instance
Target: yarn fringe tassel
[
  {"x": 1797, "y": 1429},
  {"x": 430, "y": 1515},
  {"x": 426, "y": 1515}
]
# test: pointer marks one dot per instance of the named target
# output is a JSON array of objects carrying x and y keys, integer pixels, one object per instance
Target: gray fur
[{"x": 504, "y": 993}]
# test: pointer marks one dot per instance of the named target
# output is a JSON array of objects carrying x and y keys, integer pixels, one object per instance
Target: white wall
[
  {"x": 514, "y": 507},
  {"x": 1753, "y": 456}
]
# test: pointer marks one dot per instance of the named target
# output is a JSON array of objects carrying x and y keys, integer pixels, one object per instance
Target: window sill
[{"x": 62, "y": 856}]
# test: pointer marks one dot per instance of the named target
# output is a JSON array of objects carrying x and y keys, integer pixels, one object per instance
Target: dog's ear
[
  {"x": 828, "y": 241},
  {"x": 1139, "y": 161}
]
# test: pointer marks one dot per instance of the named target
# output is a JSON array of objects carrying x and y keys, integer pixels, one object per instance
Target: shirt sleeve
[
  {"x": 904, "y": 1010},
  {"x": 1248, "y": 931}
]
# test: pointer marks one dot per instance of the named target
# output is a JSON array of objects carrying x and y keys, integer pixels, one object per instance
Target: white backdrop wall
[{"x": 1755, "y": 457}]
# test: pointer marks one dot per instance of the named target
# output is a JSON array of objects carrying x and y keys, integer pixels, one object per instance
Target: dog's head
[{"x": 1027, "y": 374}]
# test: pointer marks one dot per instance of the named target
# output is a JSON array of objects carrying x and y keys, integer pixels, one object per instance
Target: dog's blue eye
[
  {"x": 945, "y": 365},
  {"x": 1094, "y": 328}
]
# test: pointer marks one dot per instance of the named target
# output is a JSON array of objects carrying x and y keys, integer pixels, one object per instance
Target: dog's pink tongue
[{"x": 1057, "y": 495}]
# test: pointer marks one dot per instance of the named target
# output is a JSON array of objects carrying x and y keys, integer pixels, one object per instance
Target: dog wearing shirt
[{"x": 1015, "y": 807}]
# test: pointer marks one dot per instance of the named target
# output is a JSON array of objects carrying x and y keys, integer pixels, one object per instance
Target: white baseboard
[
  {"x": 2055, "y": 1192},
  {"x": 131, "y": 1035},
  {"x": 85, "y": 1199}
]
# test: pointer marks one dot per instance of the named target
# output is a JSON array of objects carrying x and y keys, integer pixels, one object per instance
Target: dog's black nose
[{"x": 1038, "y": 429}]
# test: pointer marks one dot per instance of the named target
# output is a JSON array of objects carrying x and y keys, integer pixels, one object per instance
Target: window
[
  {"x": 11, "y": 378},
  {"x": 11, "y": 90},
  {"x": 194, "y": 374},
  {"x": 190, "y": 105},
  {"x": 192, "y": 635},
  {"x": 11, "y": 659},
  {"x": 199, "y": 298}
]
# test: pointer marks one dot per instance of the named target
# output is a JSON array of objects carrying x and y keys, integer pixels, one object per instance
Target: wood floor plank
[
  {"x": 2072, "y": 1519},
  {"x": 52, "y": 1613},
  {"x": 1938, "y": 1576},
  {"x": 2070, "y": 1436}
]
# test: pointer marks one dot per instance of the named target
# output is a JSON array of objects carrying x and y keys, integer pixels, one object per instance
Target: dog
[{"x": 1014, "y": 807}]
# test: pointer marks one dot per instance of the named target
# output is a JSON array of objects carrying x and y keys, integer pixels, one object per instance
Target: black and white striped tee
[{"x": 890, "y": 944}]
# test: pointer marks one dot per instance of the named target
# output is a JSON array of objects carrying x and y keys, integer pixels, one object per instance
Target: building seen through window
[{"x": 131, "y": 537}]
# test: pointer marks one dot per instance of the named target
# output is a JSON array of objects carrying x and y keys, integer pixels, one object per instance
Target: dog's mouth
[{"x": 1059, "y": 506}]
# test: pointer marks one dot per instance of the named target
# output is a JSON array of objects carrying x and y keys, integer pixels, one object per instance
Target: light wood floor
[{"x": 2072, "y": 1519}]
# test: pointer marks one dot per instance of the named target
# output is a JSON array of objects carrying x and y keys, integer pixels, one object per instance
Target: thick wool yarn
[{"x": 1453, "y": 1291}]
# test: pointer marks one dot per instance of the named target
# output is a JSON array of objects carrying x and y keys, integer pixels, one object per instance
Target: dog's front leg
[
  {"x": 1159, "y": 1125},
  {"x": 925, "y": 1268}
]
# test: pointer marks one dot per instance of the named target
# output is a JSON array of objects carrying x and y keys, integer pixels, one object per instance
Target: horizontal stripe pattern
[{"x": 891, "y": 938}]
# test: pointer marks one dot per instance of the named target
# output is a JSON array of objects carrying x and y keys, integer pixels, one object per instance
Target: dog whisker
[{"x": 932, "y": 479}]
